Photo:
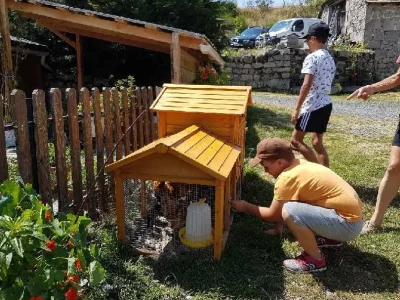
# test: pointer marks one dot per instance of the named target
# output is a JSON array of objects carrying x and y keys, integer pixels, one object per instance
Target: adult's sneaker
[
  {"x": 324, "y": 242},
  {"x": 305, "y": 263}
]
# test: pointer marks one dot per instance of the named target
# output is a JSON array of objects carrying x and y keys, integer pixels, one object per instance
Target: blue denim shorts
[{"x": 323, "y": 221}]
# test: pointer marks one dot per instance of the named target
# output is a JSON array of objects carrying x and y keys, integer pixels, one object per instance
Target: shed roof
[
  {"x": 193, "y": 145},
  {"x": 203, "y": 99},
  {"x": 113, "y": 28}
]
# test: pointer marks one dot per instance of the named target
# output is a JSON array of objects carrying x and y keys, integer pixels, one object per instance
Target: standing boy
[
  {"x": 316, "y": 204},
  {"x": 314, "y": 105}
]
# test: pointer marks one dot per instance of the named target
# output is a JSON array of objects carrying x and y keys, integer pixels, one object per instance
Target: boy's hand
[
  {"x": 364, "y": 93},
  {"x": 239, "y": 205},
  {"x": 295, "y": 116}
]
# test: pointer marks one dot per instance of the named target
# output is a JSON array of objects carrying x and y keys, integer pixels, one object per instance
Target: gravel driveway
[{"x": 376, "y": 112}]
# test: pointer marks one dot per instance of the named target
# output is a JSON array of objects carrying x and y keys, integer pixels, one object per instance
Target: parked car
[
  {"x": 247, "y": 38},
  {"x": 298, "y": 26}
]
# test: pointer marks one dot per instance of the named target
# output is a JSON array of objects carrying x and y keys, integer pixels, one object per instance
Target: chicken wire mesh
[{"x": 156, "y": 211}]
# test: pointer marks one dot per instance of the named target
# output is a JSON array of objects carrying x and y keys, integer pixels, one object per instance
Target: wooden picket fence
[{"x": 112, "y": 111}]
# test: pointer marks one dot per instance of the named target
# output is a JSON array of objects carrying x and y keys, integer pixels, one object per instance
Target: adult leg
[
  {"x": 388, "y": 187},
  {"x": 317, "y": 142},
  {"x": 297, "y": 142}
]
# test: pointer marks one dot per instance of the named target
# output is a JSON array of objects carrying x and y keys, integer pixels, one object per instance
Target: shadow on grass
[
  {"x": 268, "y": 119},
  {"x": 368, "y": 195},
  {"x": 250, "y": 267},
  {"x": 352, "y": 270}
]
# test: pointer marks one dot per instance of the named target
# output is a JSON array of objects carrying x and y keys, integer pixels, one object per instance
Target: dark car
[{"x": 248, "y": 37}]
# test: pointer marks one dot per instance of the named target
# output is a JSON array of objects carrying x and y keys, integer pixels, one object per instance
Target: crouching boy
[{"x": 316, "y": 204}]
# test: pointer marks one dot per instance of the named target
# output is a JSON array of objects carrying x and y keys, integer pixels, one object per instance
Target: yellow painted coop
[{"x": 175, "y": 191}]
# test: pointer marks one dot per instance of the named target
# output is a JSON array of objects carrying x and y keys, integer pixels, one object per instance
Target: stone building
[{"x": 376, "y": 22}]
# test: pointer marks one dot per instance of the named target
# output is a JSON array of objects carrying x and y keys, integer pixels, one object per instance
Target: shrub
[
  {"x": 208, "y": 75},
  {"x": 43, "y": 256}
]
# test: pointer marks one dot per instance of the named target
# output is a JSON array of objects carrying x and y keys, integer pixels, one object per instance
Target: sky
[{"x": 242, "y": 3}]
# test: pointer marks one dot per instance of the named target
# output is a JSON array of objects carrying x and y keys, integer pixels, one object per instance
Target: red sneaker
[
  {"x": 305, "y": 263},
  {"x": 324, "y": 242}
]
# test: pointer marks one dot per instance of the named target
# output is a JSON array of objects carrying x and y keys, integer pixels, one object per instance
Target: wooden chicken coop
[
  {"x": 222, "y": 110},
  {"x": 198, "y": 158},
  {"x": 195, "y": 163}
]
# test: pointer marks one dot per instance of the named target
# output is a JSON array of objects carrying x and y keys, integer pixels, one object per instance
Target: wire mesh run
[{"x": 156, "y": 211}]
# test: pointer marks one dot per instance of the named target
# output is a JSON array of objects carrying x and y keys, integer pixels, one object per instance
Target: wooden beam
[
  {"x": 79, "y": 61},
  {"x": 63, "y": 37},
  {"x": 6, "y": 57},
  {"x": 175, "y": 59},
  {"x": 89, "y": 23},
  {"x": 219, "y": 219},
  {"x": 153, "y": 46}
]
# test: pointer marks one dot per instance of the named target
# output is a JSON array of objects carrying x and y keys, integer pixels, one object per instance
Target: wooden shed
[
  {"x": 187, "y": 49},
  {"x": 200, "y": 161},
  {"x": 220, "y": 109}
]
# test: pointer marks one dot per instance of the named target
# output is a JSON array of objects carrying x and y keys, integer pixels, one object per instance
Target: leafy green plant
[
  {"x": 43, "y": 256},
  {"x": 208, "y": 75}
]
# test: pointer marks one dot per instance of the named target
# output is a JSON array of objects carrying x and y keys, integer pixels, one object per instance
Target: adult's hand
[
  {"x": 239, "y": 205},
  {"x": 363, "y": 93}
]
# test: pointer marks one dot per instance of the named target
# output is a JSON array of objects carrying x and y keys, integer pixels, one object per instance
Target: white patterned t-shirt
[{"x": 322, "y": 66}]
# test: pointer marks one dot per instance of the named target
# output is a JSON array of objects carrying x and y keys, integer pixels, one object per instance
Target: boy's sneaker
[
  {"x": 305, "y": 263},
  {"x": 324, "y": 242},
  {"x": 369, "y": 227}
]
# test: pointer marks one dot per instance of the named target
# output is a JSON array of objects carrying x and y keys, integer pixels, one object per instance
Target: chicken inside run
[{"x": 156, "y": 211}]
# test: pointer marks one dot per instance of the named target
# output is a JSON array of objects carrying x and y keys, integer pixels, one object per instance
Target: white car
[{"x": 298, "y": 26}]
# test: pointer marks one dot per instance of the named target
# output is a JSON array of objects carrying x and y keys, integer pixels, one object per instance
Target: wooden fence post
[
  {"x": 150, "y": 98},
  {"x": 117, "y": 121},
  {"x": 145, "y": 103},
  {"x": 59, "y": 145},
  {"x": 134, "y": 127},
  {"x": 88, "y": 146},
  {"x": 99, "y": 148},
  {"x": 42, "y": 148},
  {"x": 125, "y": 116},
  {"x": 140, "y": 121},
  {"x": 108, "y": 133},
  {"x": 75, "y": 149},
  {"x": 23, "y": 145}
]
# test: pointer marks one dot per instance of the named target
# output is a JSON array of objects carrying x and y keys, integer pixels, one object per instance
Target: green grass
[{"x": 251, "y": 266}]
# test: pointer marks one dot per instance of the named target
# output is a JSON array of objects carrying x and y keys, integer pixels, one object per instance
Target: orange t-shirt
[{"x": 315, "y": 184}]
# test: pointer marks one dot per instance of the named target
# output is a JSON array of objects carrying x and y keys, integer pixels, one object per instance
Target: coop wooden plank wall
[{"x": 221, "y": 110}]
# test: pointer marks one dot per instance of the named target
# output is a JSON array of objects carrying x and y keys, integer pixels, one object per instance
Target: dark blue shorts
[{"x": 315, "y": 121}]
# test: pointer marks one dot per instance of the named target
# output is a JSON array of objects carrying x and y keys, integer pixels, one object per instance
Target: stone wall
[
  {"x": 281, "y": 69},
  {"x": 355, "y": 19},
  {"x": 382, "y": 34}
]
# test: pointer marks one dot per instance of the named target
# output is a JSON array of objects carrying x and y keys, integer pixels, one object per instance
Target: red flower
[
  {"x": 51, "y": 245},
  {"x": 204, "y": 76},
  {"x": 78, "y": 264},
  {"x": 47, "y": 215},
  {"x": 70, "y": 245},
  {"x": 74, "y": 278},
  {"x": 71, "y": 294},
  {"x": 36, "y": 298}
]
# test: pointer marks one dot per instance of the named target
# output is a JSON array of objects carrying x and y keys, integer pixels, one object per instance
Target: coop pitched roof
[
  {"x": 231, "y": 100},
  {"x": 198, "y": 148}
]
